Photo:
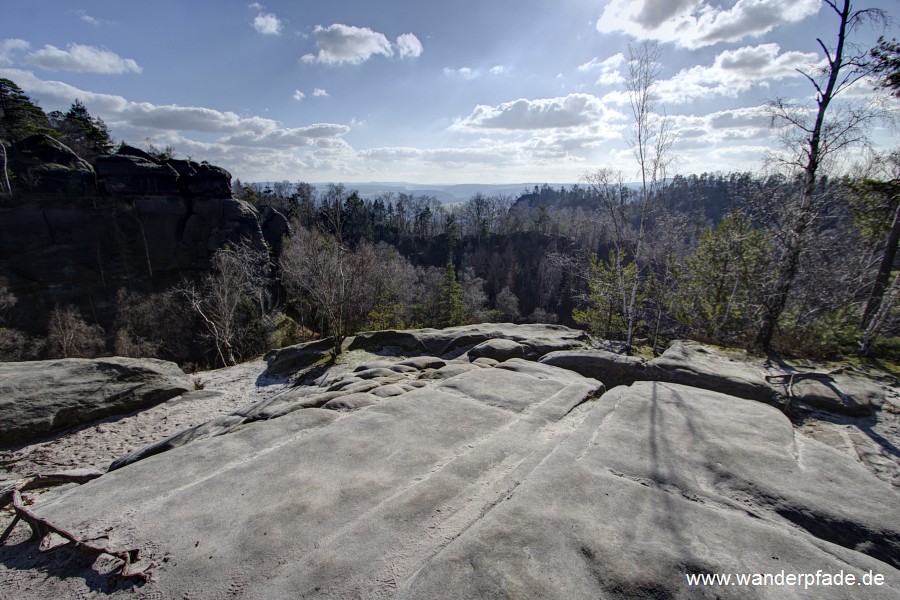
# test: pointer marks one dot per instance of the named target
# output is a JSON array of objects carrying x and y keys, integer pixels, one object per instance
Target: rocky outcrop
[
  {"x": 684, "y": 362},
  {"x": 611, "y": 368},
  {"x": 693, "y": 364},
  {"x": 43, "y": 165},
  {"x": 140, "y": 223},
  {"x": 392, "y": 473},
  {"x": 536, "y": 339},
  {"x": 43, "y": 397}
]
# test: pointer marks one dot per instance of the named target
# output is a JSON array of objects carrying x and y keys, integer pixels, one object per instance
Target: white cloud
[
  {"x": 82, "y": 59},
  {"x": 266, "y": 23},
  {"x": 698, "y": 23},
  {"x": 408, "y": 46},
  {"x": 573, "y": 110},
  {"x": 499, "y": 69},
  {"x": 732, "y": 73},
  {"x": 9, "y": 47},
  {"x": 339, "y": 44},
  {"x": 320, "y": 93},
  {"x": 298, "y": 95},
  {"x": 255, "y": 6},
  {"x": 296, "y": 137},
  {"x": 723, "y": 128},
  {"x": 88, "y": 18},
  {"x": 608, "y": 68},
  {"x": 464, "y": 72}
]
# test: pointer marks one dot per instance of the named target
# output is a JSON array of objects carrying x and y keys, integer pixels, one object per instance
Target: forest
[{"x": 792, "y": 259}]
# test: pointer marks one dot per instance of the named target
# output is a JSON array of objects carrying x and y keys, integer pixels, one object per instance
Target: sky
[{"x": 470, "y": 91}]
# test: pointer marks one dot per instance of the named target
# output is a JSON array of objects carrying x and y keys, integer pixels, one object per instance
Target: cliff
[{"x": 74, "y": 233}]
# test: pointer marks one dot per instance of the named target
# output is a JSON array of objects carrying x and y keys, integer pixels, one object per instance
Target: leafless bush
[{"x": 69, "y": 336}]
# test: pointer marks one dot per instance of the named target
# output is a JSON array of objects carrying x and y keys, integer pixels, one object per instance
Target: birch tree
[{"x": 650, "y": 142}]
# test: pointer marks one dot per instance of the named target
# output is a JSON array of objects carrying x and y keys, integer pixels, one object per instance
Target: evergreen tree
[
  {"x": 606, "y": 303},
  {"x": 886, "y": 65},
  {"x": 19, "y": 116},
  {"x": 721, "y": 286},
  {"x": 451, "y": 309},
  {"x": 87, "y": 136}
]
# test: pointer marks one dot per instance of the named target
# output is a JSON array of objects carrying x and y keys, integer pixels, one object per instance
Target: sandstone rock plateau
[{"x": 533, "y": 467}]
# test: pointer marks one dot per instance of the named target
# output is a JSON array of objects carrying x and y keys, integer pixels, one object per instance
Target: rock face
[
  {"x": 42, "y": 397},
  {"x": 70, "y": 236},
  {"x": 408, "y": 474}
]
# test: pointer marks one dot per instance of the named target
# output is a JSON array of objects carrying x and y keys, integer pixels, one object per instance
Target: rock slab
[{"x": 497, "y": 482}]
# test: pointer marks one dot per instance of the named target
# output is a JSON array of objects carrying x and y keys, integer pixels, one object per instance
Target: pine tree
[
  {"x": 451, "y": 309},
  {"x": 721, "y": 287},
  {"x": 19, "y": 116},
  {"x": 87, "y": 136}
]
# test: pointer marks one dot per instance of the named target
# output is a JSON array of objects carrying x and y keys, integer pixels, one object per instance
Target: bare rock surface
[
  {"x": 374, "y": 478},
  {"x": 660, "y": 480}
]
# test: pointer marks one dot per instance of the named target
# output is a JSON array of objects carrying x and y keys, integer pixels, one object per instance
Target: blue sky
[{"x": 495, "y": 91}]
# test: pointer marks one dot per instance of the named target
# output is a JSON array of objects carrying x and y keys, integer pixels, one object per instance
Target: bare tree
[
  {"x": 651, "y": 141},
  {"x": 229, "y": 301},
  {"x": 816, "y": 136},
  {"x": 340, "y": 281},
  {"x": 152, "y": 325}
]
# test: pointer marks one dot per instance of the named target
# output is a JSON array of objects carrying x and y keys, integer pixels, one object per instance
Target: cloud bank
[
  {"x": 698, "y": 23},
  {"x": 81, "y": 59}
]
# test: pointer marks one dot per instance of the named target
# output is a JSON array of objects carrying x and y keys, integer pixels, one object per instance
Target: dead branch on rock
[
  {"x": 788, "y": 380},
  {"x": 42, "y": 528}
]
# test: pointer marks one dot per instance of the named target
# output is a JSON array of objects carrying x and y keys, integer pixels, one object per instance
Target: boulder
[
  {"x": 497, "y": 349},
  {"x": 40, "y": 398},
  {"x": 275, "y": 227},
  {"x": 287, "y": 361},
  {"x": 125, "y": 174},
  {"x": 422, "y": 362},
  {"x": 836, "y": 393},
  {"x": 44, "y": 165},
  {"x": 209, "y": 181},
  {"x": 697, "y": 365}
]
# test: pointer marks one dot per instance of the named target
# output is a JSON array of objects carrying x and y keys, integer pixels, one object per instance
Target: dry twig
[{"x": 41, "y": 528}]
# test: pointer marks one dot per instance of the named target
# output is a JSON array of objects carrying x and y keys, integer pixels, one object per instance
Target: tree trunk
[
  {"x": 884, "y": 271},
  {"x": 3, "y": 170}
]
